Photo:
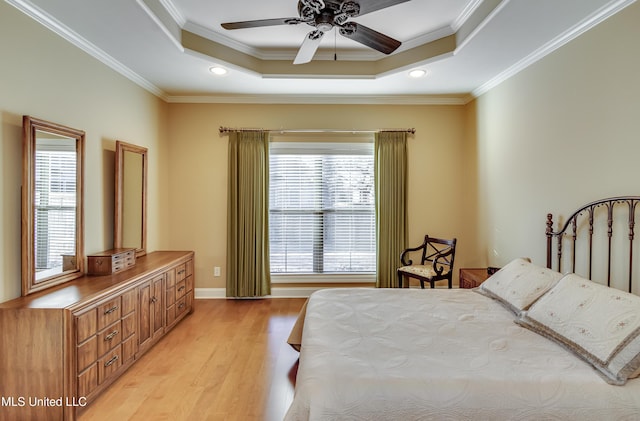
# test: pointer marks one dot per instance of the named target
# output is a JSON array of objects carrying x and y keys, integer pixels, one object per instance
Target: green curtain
[
  {"x": 248, "y": 273},
  {"x": 391, "y": 204}
]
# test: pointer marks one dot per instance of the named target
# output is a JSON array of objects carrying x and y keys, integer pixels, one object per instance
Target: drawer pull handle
[
  {"x": 111, "y": 310},
  {"x": 181, "y": 288},
  {"x": 154, "y": 299},
  {"x": 111, "y": 361},
  {"x": 111, "y": 335},
  {"x": 180, "y": 272},
  {"x": 181, "y": 306}
]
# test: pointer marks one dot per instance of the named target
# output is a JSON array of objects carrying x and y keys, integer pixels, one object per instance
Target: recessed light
[
  {"x": 217, "y": 70},
  {"x": 416, "y": 73}
]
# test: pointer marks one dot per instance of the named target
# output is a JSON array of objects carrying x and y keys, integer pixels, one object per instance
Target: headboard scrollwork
[{"x": 618, "y": 215}]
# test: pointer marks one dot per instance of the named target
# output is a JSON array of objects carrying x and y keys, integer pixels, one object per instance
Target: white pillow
[
  {"x": 519, "y": 284},
  {"x": 599, "y": 324}
]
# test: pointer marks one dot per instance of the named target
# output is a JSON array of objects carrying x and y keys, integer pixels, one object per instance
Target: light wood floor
[{"x": 229, "y": 360}]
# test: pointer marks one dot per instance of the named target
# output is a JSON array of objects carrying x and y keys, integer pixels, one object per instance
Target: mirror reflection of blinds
[
  {"x": 55, "y": 207},
  {"x": 321, "y": 208}
]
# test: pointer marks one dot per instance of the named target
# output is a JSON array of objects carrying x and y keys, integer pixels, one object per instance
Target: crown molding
[
  {"x": 175, "y": 13},
  {"x": 165, "y": 20},
  {"x": 473, "y": 8},
  {"x": 465, "y": 15},
  {"x": 324, "y": 99},
  {"x": 478, "y": 19},
  {"x": 567, "y": 36},
  {"x": 74, "y": 38}
]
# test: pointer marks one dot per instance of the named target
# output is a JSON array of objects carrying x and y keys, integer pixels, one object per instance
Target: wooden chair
[{"x": 436, "y": 263}]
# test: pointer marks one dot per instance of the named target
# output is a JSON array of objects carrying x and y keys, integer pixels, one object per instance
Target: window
[
  {"x": 55, "y": 203},
  {"x": 321, "y": 208}
]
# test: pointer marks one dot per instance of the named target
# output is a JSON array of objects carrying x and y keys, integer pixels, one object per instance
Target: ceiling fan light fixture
[
  {"x": 323, "y": 16},
  {"x": 417, "y": 73},
  {"x": 218, "y": 71}
]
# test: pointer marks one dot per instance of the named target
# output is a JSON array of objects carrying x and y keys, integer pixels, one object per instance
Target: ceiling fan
[{"x": 324, "y": 15}]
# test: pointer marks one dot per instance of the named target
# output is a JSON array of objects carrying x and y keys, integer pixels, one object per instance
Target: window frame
[{"x": 308, "y": 144}]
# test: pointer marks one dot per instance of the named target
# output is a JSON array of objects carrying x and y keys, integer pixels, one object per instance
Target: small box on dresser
[{"x": 111, "y": 261}]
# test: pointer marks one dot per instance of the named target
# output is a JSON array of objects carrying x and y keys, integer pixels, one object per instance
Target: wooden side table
[{"x": 472, "y": 277}]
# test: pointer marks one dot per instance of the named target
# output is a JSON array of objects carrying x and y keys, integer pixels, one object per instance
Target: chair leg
[
  {"x": 399, "y": 280},
  {"x": 421, "y": 284}
]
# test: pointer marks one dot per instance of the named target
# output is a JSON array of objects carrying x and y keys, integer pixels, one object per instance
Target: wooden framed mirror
[
  {"x": 130, "y": 215},
  {"x": 52, "y": 204}
]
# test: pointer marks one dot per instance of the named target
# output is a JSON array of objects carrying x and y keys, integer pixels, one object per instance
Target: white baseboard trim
[
  {"x": 295, "y": 292},
  {"x": 209, "y": 293}
]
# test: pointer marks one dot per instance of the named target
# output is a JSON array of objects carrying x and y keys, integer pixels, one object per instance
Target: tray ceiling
[{"x": 466, "y": 47}]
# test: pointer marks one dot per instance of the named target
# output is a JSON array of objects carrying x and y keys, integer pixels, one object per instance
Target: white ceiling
[{"x": 467, "y": 46}]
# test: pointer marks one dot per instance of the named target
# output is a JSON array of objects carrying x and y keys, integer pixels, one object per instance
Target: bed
[{"x": 530, "y": 343}]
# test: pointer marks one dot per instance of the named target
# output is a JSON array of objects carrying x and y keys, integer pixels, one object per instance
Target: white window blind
[
  {"x": 321, "y": 208},
  {"x": 55, "y": 205}
]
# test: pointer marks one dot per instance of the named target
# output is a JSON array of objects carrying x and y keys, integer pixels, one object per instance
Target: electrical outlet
[{"x": 216, "y": 271}]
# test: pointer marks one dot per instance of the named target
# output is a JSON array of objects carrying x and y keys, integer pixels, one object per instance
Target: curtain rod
[{"x": 224, "y": 130}]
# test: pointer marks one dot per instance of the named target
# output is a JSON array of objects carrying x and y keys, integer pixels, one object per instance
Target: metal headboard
[{"x": 583, "y": 221}]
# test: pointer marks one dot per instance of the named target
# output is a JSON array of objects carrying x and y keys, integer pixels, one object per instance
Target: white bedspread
[{"x": 407, "y": 354}]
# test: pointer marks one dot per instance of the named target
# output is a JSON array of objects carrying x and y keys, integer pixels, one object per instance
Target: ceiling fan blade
[
  {"x": 309, "y": 46},
  {"x": 368, "y": 6},
  {"x": 261, "y": 22},
  {"x": 367, "y": 36}
]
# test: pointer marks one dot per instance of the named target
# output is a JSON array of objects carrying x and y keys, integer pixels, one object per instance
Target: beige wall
[
  {"x": 45, "y": 76},
  {"x": 198, "y": 173},
  {"x": 560, "y": 134}
]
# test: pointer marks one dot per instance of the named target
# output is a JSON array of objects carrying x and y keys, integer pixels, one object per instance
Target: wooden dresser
[{"x": 61, "y": 347}]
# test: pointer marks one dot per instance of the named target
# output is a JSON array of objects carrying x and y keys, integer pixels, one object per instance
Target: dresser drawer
[
  {"x": 181, "y": 272},
  {"x": 181, "y": 306},
  {"x": 88, "y": 381},
  {"x": 171, "y": 277},
  {"x": 181, "y": 289},
  {"x": 189, "y": 283},
  {"x": 109, "y": 364},
  {"x": 87, "y": 353},
  {"x": 109, "y": 312},
  {"x": 109, "y": 338},
  {"x": 189, "y": 268},
  {"x": 86, "y": 325}
]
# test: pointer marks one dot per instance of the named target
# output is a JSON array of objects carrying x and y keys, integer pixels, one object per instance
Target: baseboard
[
  {"x": 290, "y": 292},
  {"x": 209, "y": 293},
  {"x": 297, "y": 292}
]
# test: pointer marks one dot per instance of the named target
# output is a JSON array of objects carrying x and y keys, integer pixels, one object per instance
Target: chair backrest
[{"x": 439, "y": 252}]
